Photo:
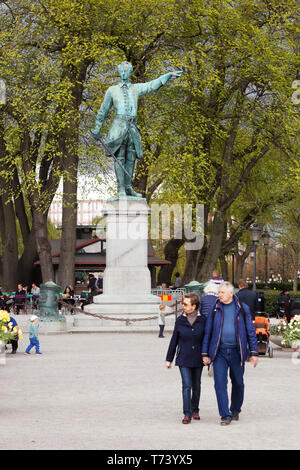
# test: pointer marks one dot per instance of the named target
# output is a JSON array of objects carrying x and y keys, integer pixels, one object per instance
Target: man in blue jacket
[{"x": 229, "y": 331}]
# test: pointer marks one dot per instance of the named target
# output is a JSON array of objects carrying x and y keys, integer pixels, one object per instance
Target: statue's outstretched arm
[{"x": 155, "y": 84}]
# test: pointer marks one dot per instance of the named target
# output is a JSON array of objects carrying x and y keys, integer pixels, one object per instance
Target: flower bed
[
  {"x": 7, "y": 331},
  {"x": 290, "y": 332}
]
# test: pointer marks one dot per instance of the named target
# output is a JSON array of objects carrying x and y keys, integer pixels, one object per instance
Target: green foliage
[
  {"x": 211, "y": 137},
  {"x": 270, "y": 298}
]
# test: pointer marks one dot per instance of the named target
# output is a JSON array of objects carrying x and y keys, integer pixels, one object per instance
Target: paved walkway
[{"x": 111, "y": 391}]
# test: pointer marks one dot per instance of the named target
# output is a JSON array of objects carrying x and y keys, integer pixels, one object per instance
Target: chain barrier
[{"x": 104, "y": 317}]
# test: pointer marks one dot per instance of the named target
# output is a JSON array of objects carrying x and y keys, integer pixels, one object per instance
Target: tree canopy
[{"x": 207, "y": 137}]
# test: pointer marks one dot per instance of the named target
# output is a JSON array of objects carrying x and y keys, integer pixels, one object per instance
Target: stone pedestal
[
  {"x": 2, "y": 353},
  {"x": 127, "y": 279}
]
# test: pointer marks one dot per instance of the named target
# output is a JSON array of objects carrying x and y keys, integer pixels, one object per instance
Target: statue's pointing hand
[{"x": 177, "y": 74}]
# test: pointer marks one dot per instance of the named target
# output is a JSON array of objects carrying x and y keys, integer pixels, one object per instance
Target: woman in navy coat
[{"x": 186, "y": 342}]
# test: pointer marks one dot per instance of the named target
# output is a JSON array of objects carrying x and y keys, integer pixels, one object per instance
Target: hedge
[
  {"x": 275, "y": 285},
  {"x": 270, "y": 297}
]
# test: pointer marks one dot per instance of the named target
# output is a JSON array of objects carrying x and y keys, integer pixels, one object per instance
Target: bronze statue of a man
[{"x": 124, "y": 139}]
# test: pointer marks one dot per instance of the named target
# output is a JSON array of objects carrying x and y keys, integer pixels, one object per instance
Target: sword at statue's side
[{"x": 106, "y": 147}]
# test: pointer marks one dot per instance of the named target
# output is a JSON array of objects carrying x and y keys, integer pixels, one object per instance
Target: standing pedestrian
[
  {"x": 178, "y": 281},
  {"x": 216, "y": 278},
  {"x": 34, "y": 335},
  {"x": 284, "y": 303},
  {"x": 210, "y": 297},
  {"x": 228, "y": 332},
  {"x": 186, "y": 342},
  {"x": 161, "y": 320},
  {"x": 247, "y": 297},
  {"x": 12, "y": 325}
]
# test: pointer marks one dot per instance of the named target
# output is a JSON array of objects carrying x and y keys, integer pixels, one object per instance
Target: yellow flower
[{"x": 4, "y": 316}]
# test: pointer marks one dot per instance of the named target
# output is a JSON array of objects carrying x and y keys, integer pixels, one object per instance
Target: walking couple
[{"x": 225, "y": 339}]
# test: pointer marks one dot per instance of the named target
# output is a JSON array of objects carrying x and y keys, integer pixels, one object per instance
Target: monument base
[
  {"x": 106, "y": 304},
  {"x": 127, "y": 280},
  {"x": 45, "y": 327},
  {"x": 49, "y": 327}
]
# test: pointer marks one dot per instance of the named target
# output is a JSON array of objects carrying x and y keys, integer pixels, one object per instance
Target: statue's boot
[
  {"x": 130, "y": 163},
  {"x": 120, "y": 177}
]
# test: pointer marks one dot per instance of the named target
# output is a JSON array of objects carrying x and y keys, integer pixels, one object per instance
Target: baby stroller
[{"x": 261, "y": 324}]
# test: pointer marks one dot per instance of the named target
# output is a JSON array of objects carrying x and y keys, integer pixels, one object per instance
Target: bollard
[{"x": 49, "y": 295}]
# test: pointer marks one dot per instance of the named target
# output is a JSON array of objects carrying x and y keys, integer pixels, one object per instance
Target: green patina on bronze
[
  {"x": 49, "y": 295},
  {"x": 124, "y": 138}
]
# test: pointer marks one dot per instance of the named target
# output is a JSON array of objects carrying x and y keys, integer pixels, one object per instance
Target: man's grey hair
[
  {"x": 227, "y": 285},
  {"x": 211, "y": 288}
]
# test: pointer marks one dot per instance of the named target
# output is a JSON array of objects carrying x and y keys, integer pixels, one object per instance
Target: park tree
[
  {"x": 53, "y": 45},
  {"x": 203, "y": 135},
  {"x": 234, "y": 107}
]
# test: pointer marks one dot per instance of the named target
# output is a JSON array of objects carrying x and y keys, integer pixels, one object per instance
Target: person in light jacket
[
  {"x": 34, "y": 335},
  {"x": 161, "y": 320},
  {"x": 186, "y": 343}
]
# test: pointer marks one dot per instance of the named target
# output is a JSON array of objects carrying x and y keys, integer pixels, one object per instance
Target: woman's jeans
[
  {"x": 191, "y": 389},
  {"x": 229, "y": 358}
]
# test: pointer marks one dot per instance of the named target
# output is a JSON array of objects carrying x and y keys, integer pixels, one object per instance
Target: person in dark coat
[
  {"x": 186, "y": 342},
  {"x": 247, "y": 297},
  {"x": 211, "y": 296},
  {"x": 284, "y": 303}
]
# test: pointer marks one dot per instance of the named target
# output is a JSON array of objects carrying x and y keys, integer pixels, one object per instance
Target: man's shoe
[
  {"x": 225, "y": 421},
  {"x": 14, "y": 352},
  {"x": 38, "y": 353},
  {"x": 186, "y": 420},
  {"x": 235, "y": 416},
  {"x": 196, "y": 416},
  {"x": 27, "y": 353}
]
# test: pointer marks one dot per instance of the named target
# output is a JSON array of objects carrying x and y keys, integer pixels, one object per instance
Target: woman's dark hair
[{"x": 195, "y": 299}]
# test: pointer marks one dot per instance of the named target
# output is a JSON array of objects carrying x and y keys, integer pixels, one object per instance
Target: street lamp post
[
  {"x": 255, "y": 234},
  {"x": 266, "y": 242}
]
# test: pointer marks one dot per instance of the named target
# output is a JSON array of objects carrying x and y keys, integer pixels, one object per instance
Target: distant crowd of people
[{"x": 19, "y": 300}]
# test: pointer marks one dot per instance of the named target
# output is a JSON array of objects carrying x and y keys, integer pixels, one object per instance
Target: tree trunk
[
  {"x": 224, "y": 268},
  {"x": 29, "y": 256},
  {"x": 171, "y": 254},
  {"x": 9, "y": 244},
  {"x": 240, "y": 262},
  {"x": 295, "y": 268},
  {"x": 191, "y": 265},
  {"x": 39, "y": 226},
  {"x": 66, "y": 272},
  {"x": 213, "y": 249},
  {"x": 69, "y": 146}
]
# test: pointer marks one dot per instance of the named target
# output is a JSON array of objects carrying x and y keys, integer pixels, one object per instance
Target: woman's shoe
[{"x": 186, "y": 420}]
